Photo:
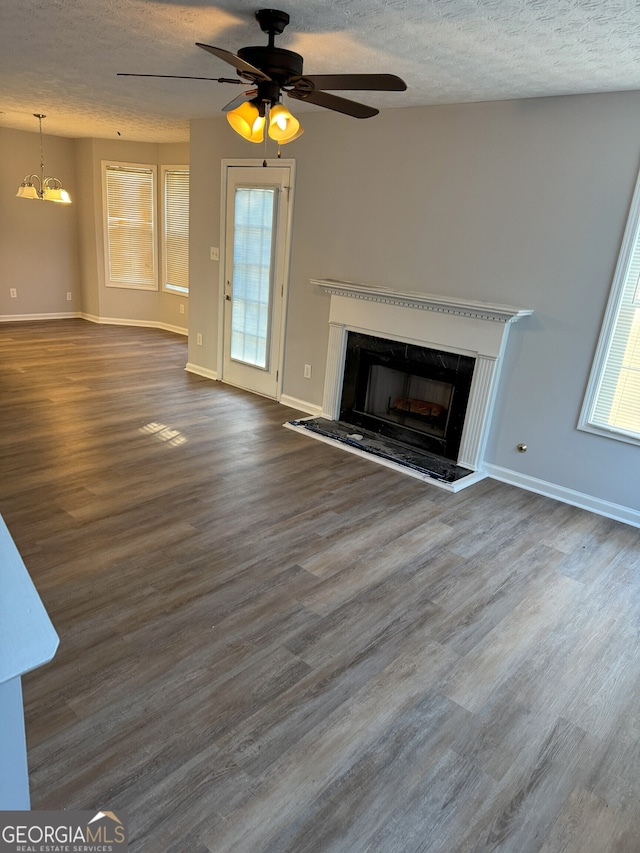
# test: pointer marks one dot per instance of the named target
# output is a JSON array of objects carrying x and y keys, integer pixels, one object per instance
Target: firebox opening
[
  {"x": 408, "y": 393},
  {"x": 412, "y": 401}
]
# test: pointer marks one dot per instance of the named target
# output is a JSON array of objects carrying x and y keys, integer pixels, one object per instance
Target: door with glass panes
[{"x": 257, "y": 228}]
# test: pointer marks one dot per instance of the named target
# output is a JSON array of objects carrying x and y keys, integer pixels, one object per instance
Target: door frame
[{"x": 257, "y": 164}]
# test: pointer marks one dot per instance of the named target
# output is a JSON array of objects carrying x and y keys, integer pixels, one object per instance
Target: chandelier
[{"x": 47, "y": 189}]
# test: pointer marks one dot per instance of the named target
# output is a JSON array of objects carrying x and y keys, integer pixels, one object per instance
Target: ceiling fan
[{"x": 272, "y": 71}]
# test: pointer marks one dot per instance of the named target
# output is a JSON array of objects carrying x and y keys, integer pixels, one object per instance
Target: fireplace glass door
[
  {"x": 415, "y": 402},
  {"x": 411, "y": 394}
]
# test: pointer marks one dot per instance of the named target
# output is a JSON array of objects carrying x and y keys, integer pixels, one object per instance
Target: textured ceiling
[{"x": 60, "y": 57}]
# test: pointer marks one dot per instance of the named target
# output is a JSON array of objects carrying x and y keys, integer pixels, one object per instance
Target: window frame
[
  {"x": 166, "y": 287},
  {"x": 124, "y": 166},
  {"x": 629, "y": 247}
]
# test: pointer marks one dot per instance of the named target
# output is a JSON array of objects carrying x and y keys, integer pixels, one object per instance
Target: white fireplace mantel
[
  {"x": 476, "y": 329},
  {"x": 425, "y": 301}
]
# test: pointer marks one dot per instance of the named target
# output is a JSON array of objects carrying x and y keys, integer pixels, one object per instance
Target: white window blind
[
  {"x": 612, "y": 402},
  {"x": 176, "y": 228},
  {"x": 130, "y": 226}
]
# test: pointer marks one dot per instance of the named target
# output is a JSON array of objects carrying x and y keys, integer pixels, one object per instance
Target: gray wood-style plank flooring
[{"x": 268, "y": 644}]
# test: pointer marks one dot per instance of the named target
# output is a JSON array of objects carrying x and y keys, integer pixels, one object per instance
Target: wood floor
[{"x": 272, "y": 646}]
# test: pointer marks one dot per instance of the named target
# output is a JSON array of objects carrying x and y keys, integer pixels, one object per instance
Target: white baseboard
[
  {"x": 568, "y": 496},
  {"x": 92, "y": 318},
  {"x": 177, "y": 330},
  {"x": 144, "y": 324},
  {"x": 301, "y": 405},
  {"x": 201, "y": 371},
  {"x": 23, "y": 318}
]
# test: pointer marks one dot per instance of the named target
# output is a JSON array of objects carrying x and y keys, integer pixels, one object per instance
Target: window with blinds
[
  {"x": 130, "y": 238},
  {"x": 612, "y": 401},
  {"x": 175, "y": 231}
]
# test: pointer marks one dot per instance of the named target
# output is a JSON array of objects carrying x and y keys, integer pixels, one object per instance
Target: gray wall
[
  {"x": 47, "y": 250},
  {"x": 212, "y": 143},
  {"x": 521, "y": 202},
  {"x": 115, "y": 302},
  {"x": 38, "y": 240}
]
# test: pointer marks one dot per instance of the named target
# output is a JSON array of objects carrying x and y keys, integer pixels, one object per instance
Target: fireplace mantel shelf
[{"x": 425, "y": 301}]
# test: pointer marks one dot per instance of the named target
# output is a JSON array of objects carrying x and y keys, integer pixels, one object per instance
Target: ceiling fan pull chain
[{"x": 264, "y": 162}]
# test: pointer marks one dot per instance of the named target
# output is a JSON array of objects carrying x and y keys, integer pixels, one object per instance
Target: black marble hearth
[{"x": 375, "y": 444}]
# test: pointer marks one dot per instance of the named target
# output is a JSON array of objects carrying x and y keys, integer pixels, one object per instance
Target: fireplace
[
  {"x": 415, "y": 395},
  {"x": 411, "y": 379}
]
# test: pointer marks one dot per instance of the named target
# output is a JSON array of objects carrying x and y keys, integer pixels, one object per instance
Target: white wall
[{"x": 522, "y": 202}]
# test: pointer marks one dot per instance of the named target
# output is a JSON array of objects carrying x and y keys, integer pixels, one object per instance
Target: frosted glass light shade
[
  {"x": 283, "y": 126},
  {"x": 291, "y": 138},
  {"x": 27, "y": 191},
  {"x": 247, "y": 121},
  {"x": 57, "y": 194}
]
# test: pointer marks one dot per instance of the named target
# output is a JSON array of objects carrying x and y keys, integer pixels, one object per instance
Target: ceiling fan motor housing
[{"x": 279, "y": 64}]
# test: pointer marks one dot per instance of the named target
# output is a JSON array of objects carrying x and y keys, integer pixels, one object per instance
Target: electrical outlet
[
  {"x": 214, "y": 253},
  {"x": 307, "y": 371},
  {"x": 199, "y": 339},
  {"x": 68, "y": 296},
  {"x": 181, "y": 308},
  {"x": 13, "y": 293}
]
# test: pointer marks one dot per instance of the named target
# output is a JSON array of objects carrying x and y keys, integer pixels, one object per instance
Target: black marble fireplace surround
[{"x": 410, "y": 394}]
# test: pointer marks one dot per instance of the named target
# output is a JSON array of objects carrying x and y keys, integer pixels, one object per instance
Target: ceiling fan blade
[
  {"x": 354, "y": 82},
  {"x": 239, "y": 100},
  {"x": 181, "y": 77},
  {"x": 333, "y": 102},
  {"x": 238, "y": 63}
]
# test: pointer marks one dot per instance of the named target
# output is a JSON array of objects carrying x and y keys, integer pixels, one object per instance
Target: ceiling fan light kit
[
  {"x": 274, "y": 70},
  {"x": 47, "y": 189},
  {"x": 282, "y": 126}
]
